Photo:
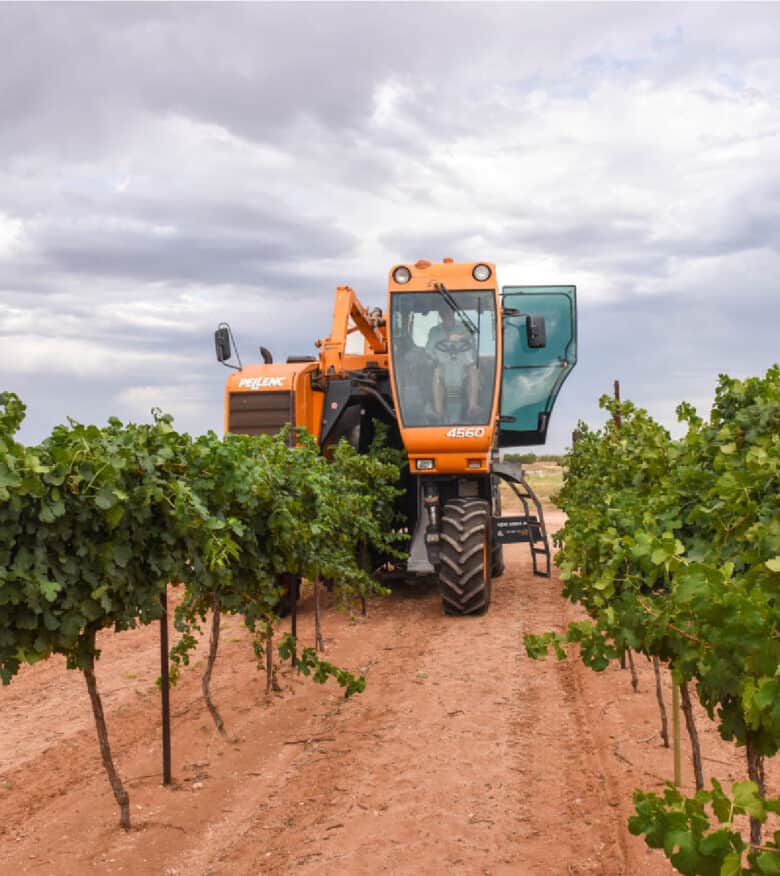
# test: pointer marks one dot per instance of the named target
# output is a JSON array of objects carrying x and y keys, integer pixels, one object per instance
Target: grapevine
[
  {"x": 673, "y": 549},
  {"x": 92, "y": 530},
  {"x": 94, "y": 523}
]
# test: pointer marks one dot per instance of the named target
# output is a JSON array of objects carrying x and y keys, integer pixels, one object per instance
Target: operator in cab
[
  {"x": 453, "y": 351},
  {"x": 444, "y": 355}
]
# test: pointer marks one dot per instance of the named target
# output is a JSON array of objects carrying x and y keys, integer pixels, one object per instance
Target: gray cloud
[
  {"x": 256, "y": 69},
  {"x": 206, "y": 254},
  {"x": 163, "y": 167}
]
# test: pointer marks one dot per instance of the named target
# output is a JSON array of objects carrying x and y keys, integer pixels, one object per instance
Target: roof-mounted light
[
  {"x": 481, "y": 273},
  {"x": 402, "y": 275}
]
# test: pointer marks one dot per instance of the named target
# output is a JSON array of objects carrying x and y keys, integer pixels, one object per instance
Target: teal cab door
[{"x": 540, "y": 349}]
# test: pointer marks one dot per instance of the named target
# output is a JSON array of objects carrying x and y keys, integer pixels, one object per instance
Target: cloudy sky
[{"x": 163, "y": 168}]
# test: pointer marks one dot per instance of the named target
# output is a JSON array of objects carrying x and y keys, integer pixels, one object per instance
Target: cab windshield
[{"x": 444, "y": 359}]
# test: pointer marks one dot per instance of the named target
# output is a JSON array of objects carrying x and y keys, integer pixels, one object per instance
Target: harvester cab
[{"x": 458, "y": 369}]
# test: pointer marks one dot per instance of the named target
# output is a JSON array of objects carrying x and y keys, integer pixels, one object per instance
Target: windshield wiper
[
  {"x": 479, "y": 326},
  {"x": 464, "y": 317}
]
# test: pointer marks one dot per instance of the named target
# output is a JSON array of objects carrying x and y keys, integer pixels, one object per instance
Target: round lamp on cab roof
[{"x": 402, "y": 275}]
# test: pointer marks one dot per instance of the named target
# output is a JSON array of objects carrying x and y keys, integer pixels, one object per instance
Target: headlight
[
  {"x": 423, "y": 464},
  {"x": 481, "y": 273},
  {"x": 402, "y": 275}
]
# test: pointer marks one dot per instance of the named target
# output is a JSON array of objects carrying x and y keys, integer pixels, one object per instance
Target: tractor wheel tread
[
  {"x": 464, "y": 582},
  {"x": 497, "y": 561},
  {"x": 461, "y": 522},
  {"x": 451, "y": 564},
  {"x": 463, "y": 535},
  {"x": 452, "y": 542},
  {"x": 452, "y": 586},
  {"x": 471, "y": 552},
  {"x": 469, "y": 595}
]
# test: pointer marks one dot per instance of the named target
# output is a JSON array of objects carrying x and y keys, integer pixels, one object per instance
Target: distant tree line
[{"x": 533, "y": 457}]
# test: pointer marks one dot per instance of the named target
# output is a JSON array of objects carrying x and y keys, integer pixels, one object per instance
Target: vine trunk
[
  {"x": 659, "y": 693},
  {"x": 117, "y": 787},
  {"x": 634, "y": 677},
  {"x": 210, "y": 661},
  {"x": 755, "y": 765},
  {"x": 690, "y": 723},
  {"x": 319, "y": 643}
]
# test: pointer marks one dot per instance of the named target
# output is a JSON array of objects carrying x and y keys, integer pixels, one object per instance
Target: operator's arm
[{"x": 434, "y": 336}]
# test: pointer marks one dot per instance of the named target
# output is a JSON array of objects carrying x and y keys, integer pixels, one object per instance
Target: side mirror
[
  {"x": 535, "y": 331},
  {"x": 222, "y": 343}
]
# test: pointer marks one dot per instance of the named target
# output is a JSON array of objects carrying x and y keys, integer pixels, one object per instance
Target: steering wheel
[{"x": 455, "y": 346}]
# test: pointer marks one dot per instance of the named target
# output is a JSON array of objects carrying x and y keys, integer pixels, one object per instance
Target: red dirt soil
[{"x": 462, "y": 756}]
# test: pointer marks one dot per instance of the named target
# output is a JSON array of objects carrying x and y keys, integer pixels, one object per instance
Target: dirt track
[{"x": 462, "y": 756}]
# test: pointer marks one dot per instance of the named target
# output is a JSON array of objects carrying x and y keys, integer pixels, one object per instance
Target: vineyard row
[
  {"x": 95, "y": 522},
  {"x": 672, "y": 547}
]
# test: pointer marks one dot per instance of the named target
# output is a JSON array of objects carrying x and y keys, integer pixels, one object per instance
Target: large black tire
[
  {"x": 497, "y": 560},
  {"x": 497, "y": 552},
  {"x": 464, "y": 575}
]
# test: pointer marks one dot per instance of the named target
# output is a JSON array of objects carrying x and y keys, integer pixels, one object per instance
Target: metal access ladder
[{"x": 528, "y": 527}]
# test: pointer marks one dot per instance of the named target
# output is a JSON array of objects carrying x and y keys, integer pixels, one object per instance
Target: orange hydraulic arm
[{"x": 333, "y": 349}]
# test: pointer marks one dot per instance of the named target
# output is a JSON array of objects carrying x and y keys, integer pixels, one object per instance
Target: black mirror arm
[
  {"x": 240, "y": 366},
  {"x": 513, "y": 313}
]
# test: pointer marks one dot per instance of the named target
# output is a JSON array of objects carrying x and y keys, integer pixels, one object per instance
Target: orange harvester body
[{"x": 455, "y": 368}]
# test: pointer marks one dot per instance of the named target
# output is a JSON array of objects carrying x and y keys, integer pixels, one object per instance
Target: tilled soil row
[{"x": 461, "y": 756}]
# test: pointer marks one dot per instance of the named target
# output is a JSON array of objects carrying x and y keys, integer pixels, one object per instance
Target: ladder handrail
[{"x": 514, "y": 476}]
